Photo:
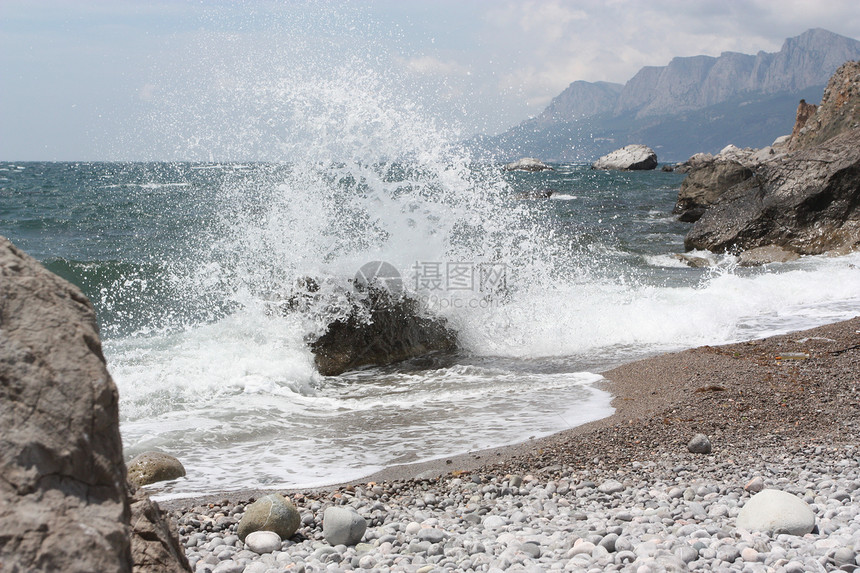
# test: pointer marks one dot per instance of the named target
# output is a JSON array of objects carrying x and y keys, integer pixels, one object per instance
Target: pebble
[
  {"x": 263, "y": 541},
  {"x": 664, "y": 515}
]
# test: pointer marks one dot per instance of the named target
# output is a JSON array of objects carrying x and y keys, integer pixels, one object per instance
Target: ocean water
[{"x": 185, "y": 263}]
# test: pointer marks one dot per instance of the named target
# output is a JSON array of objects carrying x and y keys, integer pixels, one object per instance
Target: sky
[{"x": 244, "y": 80}]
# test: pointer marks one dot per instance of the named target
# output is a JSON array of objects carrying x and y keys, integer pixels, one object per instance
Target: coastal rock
[
  {"x": 804, "y": 112},
  {"x": 807, "y": 202},
  {"x": 155, "y": 546},
  {"x": 380, "y": 328},
  {"x": 776, "y": 512},
  {"x": 699, "y": 444},
  {"x": 273, "y": 512},
  {"x": 152, "y": 467},
  {"x": 705, "y": 184},
  {"x": 629, "y": 158},
  {"x": 63, "y": 501},
  {"x": 527, "y": 164},
  {"x": 343, "y": 526}
]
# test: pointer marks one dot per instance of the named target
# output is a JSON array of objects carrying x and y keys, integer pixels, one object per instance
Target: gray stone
[
  {"x": 63, "y": 499},
  {"x": 608, "y": 542},
  {"x": 263, "y": 541},
  {"x": 766, "y": 255},
  {"x": 270, "y": 513},
  {"x": 431, "y": 534},
  {"x": 153, "y": 467},
  {"x": 699, "y": 444},
  {"x": 706, "y": 182},
  {"x": 343, "y": 525},
  {"x": 728, "y": 553},
  {"x": 611, "y": 486},
  {"x": 776, "y": 512}
]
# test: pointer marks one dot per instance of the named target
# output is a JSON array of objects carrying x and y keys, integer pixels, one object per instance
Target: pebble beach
[{"x": 624, "y": 493}]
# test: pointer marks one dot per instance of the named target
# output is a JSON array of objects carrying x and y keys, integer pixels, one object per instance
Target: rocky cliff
[{"x": 692, "y": 104}]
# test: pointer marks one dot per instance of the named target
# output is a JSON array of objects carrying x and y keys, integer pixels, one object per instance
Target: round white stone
[{"x": 263, "y": 541}]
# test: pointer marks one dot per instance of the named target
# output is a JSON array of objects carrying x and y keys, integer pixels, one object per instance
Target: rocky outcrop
[
  {"x": 804, "y": 112},
  {"x": 380, "y": 329},
  {"x": 155, "y": 546},
  {"x": 629, "y": 158},
  {"x": 839, "y": 110},
  {"x": 527, "y": 164},
  {"x": 807, "y": 202},
  {"x": 705, "y": 184},
  {"x": 64, "y": 502}
]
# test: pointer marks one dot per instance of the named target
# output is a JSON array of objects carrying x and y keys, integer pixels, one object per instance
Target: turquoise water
[{"x": 183, "y": 262}]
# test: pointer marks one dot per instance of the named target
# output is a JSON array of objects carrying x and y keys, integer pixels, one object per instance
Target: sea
[{"x": 188, "y": 266}]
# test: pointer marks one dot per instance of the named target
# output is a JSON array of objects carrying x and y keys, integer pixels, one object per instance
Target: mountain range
[{"x": 693, "y": 104}]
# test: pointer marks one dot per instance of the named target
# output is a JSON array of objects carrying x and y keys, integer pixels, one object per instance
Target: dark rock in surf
[
  {"x": 807, "y": 202},
  {"x": 537, "y": 194},
  {"x": 380, "y": 329},
  {"x": 629, "y": 158}
]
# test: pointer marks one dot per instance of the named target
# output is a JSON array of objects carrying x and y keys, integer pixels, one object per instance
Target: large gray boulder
[
  {"x": 64, "y": 502},
  {"x": 629, "y": 158},
  {"x": 343, "y": 526},
  {"x": 63, "y": 498},
  {"x": 807, "y": 202}
]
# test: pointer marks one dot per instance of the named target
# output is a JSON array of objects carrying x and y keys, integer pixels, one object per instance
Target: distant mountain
[{"x": 693, "y": 104}]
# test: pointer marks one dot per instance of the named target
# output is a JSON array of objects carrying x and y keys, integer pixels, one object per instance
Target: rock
[
  {"x": 804, "y": 112},
  {"x": 693, "y": 261},
  {"x": 263, "y": 541},
  {"x": 838, "y": 113},
  {"x": 629, "y": 158},
  {"x": 155, "y": 545},
  {"x": 343, "y": 526},
  {"x": 807, "y": 202},
  {"x": 610, "y": 486},
  {"x": 537, "y": 194},
  {"x": 380, "y": 328},
  {"x": 766, "y": 255},
  {"x": 152, "y": 467},
  {"x": 705, "y": 184},
  {"x": 776, "y": 512},
  {"x": 755, "y": 485},
  {"x": 527, "y": 164},
  {"x": 272, "y": 512},
  {"x": 63, "y": 499},
  {"x": 699, "y": 444}
]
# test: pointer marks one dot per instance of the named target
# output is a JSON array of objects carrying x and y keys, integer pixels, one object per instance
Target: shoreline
[{"x": 660, "y": 403}]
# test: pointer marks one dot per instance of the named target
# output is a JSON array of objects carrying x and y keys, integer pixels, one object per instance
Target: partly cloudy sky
[{"x": 143, "y": 79}]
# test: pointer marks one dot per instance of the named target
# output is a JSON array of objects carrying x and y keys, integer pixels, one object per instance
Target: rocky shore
[{"x": 621, "y": 494}]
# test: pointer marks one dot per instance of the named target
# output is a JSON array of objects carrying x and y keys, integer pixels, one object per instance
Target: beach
[{"x": 620, "y": 493}]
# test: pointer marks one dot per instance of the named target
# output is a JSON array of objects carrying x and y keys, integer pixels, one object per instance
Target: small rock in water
[
  {"x": 343, "y": 526},
  {"x": 263, "y": 541},
  {"x": 776, "y": 512},
  {"x": 700, "y": 444},
  {"x": 153, "y": 467}
]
